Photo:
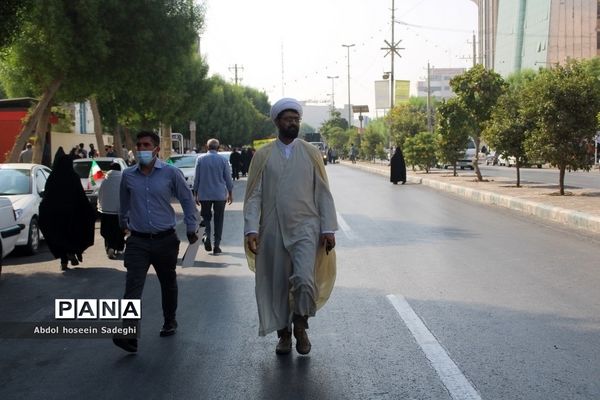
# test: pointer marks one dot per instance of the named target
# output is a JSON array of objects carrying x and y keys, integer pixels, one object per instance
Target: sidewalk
[{"x": 580, "y": 209}]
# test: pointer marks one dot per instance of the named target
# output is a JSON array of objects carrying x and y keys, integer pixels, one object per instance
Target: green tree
[
  {"x": 478, "y": 89},
  {"x": 508, "y": 128},
  {"x": 454, "y": 126},
  {"x": 11, "y": 13},
  {"x": 335, "y": 120},
  {"x": 371, "y": 142},
  {"x": 419, "y": 150},
  {"x": 70, "y": 50},
  {"x": 564, "y": 102},
  {"x": 407, "y": 120},
  {"x": 229, "y": 115}
]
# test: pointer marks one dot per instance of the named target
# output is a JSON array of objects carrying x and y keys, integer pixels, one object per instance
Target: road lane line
[
  {"x": 453, "y": 379},
  {"x": 345, "y": 227}
]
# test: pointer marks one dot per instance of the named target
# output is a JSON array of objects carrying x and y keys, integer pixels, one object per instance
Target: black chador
[{"x": 398, "y": 168}]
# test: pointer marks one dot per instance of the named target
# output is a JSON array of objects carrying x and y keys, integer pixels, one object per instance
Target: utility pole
[
  {"x": 332, "y": 91},
  {"x": 349, "y": 106},
  {"x": 235, "y": 68},
  {"x": 392, "y": 49},
  {"x": 429, "y": 122},
  {"x": 474, "y": 50}
]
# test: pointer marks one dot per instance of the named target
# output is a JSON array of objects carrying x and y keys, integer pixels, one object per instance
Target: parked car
[
  {"x": 187, "y": 164},
  {"x": 466, "y": 161},
  {"x": 507, "y": 161},
  {"x": 23, "y": 185},
  {"x": 9, "y": 229},
  {"x": 82, "y": 167}
]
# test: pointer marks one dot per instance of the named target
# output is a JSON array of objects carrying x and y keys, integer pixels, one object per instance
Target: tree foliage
[
  {"x": 372, "y": 141},
  {"x": 454, "y": 126},
  {"x": 508, "y": 127},
  {"x": 419, "y": 150},
  {"x": 135, "y": 53},
  {"x": 563, "y": 102},
  {"x": 228, "y": 114},
  {"x": 407, "y": 120},
  {"x": 478, "y": 89}
]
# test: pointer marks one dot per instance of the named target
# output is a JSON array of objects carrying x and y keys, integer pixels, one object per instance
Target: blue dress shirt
[
  {"x": 212, "y": 180},
  {"x": 146, "y": 199}
]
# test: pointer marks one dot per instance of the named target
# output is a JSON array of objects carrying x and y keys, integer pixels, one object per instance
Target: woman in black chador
[
  {"x": 66, "y": 216},
  {"x": 398, "y": 168}
]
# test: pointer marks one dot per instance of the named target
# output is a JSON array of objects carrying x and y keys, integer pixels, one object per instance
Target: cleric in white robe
[{"x": 289, "y": 225}]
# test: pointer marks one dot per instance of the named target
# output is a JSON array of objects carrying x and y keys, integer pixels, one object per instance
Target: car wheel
[{"x": 33, "y": 239}]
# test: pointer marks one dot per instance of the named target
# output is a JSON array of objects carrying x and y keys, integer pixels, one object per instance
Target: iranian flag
[{"x": 96, "y": 175}]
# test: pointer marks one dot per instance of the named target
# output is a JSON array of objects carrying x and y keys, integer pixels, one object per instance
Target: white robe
[{"x": 289, "y": 204}]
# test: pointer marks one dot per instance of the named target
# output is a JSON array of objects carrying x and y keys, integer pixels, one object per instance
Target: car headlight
[{"x": 19, "y": 213}]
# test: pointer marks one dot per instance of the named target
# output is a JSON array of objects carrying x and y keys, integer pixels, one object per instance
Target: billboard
[
  {"x": 382, "y": 95},
  {"x": 402, "y": 92}
]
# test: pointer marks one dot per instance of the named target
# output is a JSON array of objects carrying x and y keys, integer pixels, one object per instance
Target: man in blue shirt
[
  {"x": 146, "y": 213},
  {"x": 213, "y": 187}
]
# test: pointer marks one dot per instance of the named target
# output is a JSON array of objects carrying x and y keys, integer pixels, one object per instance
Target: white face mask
[{"x": 144, "y": 157}]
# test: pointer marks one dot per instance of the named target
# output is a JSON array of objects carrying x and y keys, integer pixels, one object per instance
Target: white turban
[{"x": 285, "y": 104}]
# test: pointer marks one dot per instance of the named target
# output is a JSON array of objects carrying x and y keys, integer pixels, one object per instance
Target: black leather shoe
[
  {"x": 285, "y": 344},
  {"x": 169, "y": 328},
  {"x": 129, "y": 345},
  {"x": 206, "y": 242},
  {"x": 217, "y": 250}
]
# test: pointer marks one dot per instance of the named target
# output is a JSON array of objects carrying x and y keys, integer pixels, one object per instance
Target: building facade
[
  {"x": 540, "y": 33},
  {"x": 439, "y": 83}
]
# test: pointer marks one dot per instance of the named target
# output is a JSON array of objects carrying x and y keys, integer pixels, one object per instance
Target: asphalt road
[{"x": 436, "y": 298}]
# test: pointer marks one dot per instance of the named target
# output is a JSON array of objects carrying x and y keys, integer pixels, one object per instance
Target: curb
[{"x": 571, "y": 218}]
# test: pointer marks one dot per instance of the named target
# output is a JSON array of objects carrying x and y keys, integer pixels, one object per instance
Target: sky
[{"x": 288, "y": 49}]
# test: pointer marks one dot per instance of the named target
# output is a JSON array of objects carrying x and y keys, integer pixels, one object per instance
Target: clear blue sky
[{"x": 307, "y": 36}]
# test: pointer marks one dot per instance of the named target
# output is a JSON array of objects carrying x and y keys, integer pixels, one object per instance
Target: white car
[
  {"x": 9, "y": 229},
  {"x": 23, "y": 185},
  {"x": 509, "y": 162},
  {"x": 187, "y": 164},
  {"x": 82, "y": 167}
]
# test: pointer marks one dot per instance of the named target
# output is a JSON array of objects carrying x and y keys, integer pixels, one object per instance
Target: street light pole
[
  {"x": 332, "y": 91},
  {"x": 349, "y": 106}
]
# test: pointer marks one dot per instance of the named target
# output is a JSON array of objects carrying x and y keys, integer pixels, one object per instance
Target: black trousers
[
  {"x": 113, "y": 235},
  {"x": 207, "y": 207},
  {"x": 161, "y": 253}
]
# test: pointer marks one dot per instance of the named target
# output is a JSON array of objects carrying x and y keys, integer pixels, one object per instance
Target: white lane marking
[
  {"x": 345, "y": 227},
  {"x": 453, "y": 379}
]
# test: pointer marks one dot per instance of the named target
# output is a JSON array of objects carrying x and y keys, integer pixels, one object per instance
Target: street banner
[
  {"x": 382, "y": 95},
  {"x": 402, "y": 92}
]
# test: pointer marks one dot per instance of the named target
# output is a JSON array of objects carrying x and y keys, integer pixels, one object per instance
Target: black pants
[
  {"x": 162, "y": 253},
  {"x": 206, "y": 212},
  {"x": 112, "y": 233}
]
